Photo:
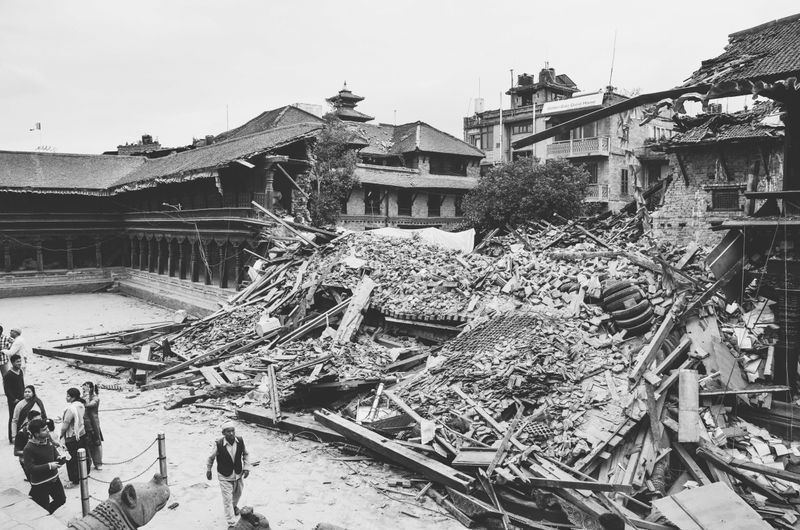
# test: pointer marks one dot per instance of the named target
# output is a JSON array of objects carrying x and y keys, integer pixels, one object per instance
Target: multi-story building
[
  {"x": 614, "y": 149},
  {"x": 410, "y": 175}
]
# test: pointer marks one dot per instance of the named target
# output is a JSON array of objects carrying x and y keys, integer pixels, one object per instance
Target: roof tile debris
[
  {"x": 759, "y": 122},
  {"x": 769, "y": 52}
]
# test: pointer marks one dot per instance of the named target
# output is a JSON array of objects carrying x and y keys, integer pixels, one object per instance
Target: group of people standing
[{"x": 43, "y": 449}]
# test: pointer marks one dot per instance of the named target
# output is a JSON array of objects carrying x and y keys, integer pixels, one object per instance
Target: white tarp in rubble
[{"x": 463, "y": 241}]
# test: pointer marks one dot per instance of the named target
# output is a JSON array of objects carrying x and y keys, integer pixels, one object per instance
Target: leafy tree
[
  {"x": 524, "y": 190},
  {"x": 333, "y": 163}
]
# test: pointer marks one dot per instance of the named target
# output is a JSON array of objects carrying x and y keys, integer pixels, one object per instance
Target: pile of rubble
[{"x": 580, "y": 366}]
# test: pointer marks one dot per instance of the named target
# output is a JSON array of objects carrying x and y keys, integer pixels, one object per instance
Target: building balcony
[
  {"x": 491, "y": 117},
  {"x": 598, "y": 146},
  {"x": 597, "y": 193}
]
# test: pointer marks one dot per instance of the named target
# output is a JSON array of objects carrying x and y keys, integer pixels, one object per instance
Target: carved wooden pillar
[
  {"x": 221, "y": 249},
  {"x": 159, "y": 256},
  {"x": 98, "y": 253},
  {"x": 141, "y": 254},
  {"x": 237, "y": 262},
  {"x": 70, "y": 255},
  {"x": 181, "y": 264},
  {"x": 150, "y": 257},
  {"x": 39, "y": 256},
  {"x": 193, "y": 261},
  {"x": 170, "y": 258},
  {"x": 133, "y": 244},
  {"x": 206, "y": 264},
  {"x": 7, "y": 255}
]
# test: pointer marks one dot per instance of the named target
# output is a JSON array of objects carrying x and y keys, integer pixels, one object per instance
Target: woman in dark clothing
[
  {"x": 91, "y": 420},
  {"x": 28, "y": 403},
  {"x": 22, "y": 437}
]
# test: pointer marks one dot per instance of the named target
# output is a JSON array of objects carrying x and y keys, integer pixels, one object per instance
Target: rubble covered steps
[{"x": 174, "y": 293}]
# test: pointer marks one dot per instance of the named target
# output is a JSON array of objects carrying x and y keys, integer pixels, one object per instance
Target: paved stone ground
[{"x": 19, "y": 512}]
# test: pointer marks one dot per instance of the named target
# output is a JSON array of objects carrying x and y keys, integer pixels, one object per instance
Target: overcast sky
[{"x": 100, "y": 73}]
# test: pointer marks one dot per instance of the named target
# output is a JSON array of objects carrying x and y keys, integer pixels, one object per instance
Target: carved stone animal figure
[
  {"x": 250, "y": 520},
  {"x": 127, "y": 508}
]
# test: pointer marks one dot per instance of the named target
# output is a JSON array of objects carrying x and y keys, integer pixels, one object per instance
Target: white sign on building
[{"x": 562, "y": 106}]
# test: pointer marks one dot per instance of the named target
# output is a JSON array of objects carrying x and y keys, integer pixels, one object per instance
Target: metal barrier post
[
  {"x": 162, "y": 456},
  {"x": 83, "y": 475}
]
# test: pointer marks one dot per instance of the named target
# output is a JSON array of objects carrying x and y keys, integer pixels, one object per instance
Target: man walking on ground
[
  {"x": 41, "y": 462},
  {"x": 19, "y": 347},
  {"x": 14, "y": 387},
  {"x": 233, "y": 466}
]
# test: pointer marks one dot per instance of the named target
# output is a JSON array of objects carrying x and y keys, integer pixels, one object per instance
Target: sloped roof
[
  {"x": 395, "y": 140},
  {"x": 218, "y": 154},
  {"x": 60, "y": 172},
  {"x": 282, "y": 116},
  {"x": 349, "y": 114},
  {"x": 108, "y": 174},
  {"x": 411, "y": 178},
  {"x": 766, "y": 52},
  {"x": 743, "y": 125}
]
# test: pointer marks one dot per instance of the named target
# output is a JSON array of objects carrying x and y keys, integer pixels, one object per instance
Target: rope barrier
[
  {"x": 127, "y": 479},
  {"x": 132, "y": 458}
]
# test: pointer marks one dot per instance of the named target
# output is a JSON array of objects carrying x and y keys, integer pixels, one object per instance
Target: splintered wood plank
[
  {"x": 353, "y": 315},
  {"x": 710, "y": 507},
  {"x": 95, "y": 358},
  {"x": 432, "y": 469},
  {"x": 211, "y": 376},
  {"x": 688, "y": 406}
]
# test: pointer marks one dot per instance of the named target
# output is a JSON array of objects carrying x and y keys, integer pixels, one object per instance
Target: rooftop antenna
[
  {"x": 613, "y": 56},
  {"x": 395, "y": 116},
  {"x": 227, "y": 119}
]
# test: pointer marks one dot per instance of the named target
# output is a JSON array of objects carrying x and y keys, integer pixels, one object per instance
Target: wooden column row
[{"x": 152, "y": 256}]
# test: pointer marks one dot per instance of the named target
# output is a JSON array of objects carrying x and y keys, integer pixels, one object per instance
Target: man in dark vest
[{"x": 233, "y": 466}]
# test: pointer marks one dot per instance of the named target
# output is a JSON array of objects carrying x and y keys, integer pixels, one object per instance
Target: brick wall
[{"x": 686, "y": 213}]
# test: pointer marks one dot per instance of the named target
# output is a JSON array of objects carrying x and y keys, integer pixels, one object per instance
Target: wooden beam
[
  {"x": 203, "y": 357},
  {"x": 649, "y": 352},
  {"x": 503, "y": 447},
  {"x": 486, "y": 484},
  {"x": 713, "y": 456},
  {"x": 283, "y": 223},
  {"x": 433, "y": 470},
  {"x": 95, "y": 358},
  {"x": 547, "y": 483},
  {"x": 427, "y": 427},
  {"x": 295, "y": 184},
  {"x": 684, "y": 174},
  {"x": 289, "y": 422},
  {"x": 451, "y": 508},
  {"x": 691, "y": 465},
  {"x": 688, "y": 406},
  {"x": 755, "y": 389},
  {"x": 353, "y": 315}
]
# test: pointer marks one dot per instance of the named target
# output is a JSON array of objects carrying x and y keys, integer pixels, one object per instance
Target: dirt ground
[{"x": 295, "y": 483}]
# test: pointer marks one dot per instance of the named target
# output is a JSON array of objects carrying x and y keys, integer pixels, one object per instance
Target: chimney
[
  {"x": 209, "y": 139},
  {"x": 547, "y": 75},
  {"x": 147, "y": 139}
]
